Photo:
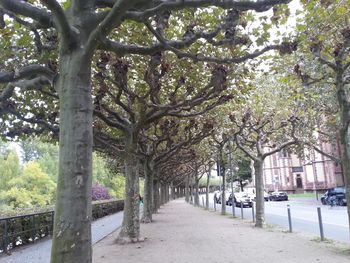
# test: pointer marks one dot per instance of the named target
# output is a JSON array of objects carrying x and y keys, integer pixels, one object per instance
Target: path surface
[
  {"x": 40, "y": 252},
  {"x": 183, "y": 233}
]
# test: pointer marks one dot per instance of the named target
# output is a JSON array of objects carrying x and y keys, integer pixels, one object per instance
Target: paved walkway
[
  {"x": 187, "y": 234},
  {"x": 40, "y": 252}
]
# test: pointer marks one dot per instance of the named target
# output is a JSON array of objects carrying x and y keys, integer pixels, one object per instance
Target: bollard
[
  {"x": 203, "y": 200},
  {"x": 320, "y": 223},
  {"x": 289, "y": 219},
  {"x": 242, "y": 210},
  {"x": 253, "y": 214}
]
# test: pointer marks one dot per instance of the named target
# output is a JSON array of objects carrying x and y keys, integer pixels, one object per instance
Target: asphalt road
[
  {"x": 304, "y": 217},
  {"x": 40, "y": 252}
]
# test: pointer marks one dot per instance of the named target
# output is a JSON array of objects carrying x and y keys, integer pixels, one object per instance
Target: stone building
[{"x": 287, "y": 172}]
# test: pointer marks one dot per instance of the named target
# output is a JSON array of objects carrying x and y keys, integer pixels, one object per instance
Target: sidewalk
[
  {"x": 183, "y": 233},
  {"x": 40, "y": 251}
]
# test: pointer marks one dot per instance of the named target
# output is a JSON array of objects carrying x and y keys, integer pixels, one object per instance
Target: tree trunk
[
  {"x": 241, "y": 184},
  {"x": 148, "y": 193},
  {"x": 72, "y": 229},
  {"x": 162, "y": 194},
  {"x": 167, "y": 198},
  {"x": 259, "y": 189},
  {"x": 207, "y": 193},
  {"x": 223, "y": 196},
  {"x": 156, "y": 200},
  {"x": 191, "y": 194},
  {"x": 173, "y": 194},
  {"x": 196, "y": 191},
  {"x": 344, "y": 133},
  {"x": 187, "y": 190},
  {"x": 130, "y": 230}
]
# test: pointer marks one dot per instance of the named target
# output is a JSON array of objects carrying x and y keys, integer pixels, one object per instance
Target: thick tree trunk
[
  {"x": 148, "y": 193},
  {"x": 345, "y": 145},
  {"x": 167, "y": 198},
  {"x": 207, "y": 193},
  {"x": 191, "y": 194},
  {"x": 162, "y": 194},
  {"x": 173, "y": 193},
  {"x": 130, "y": 230},
  {"x": 223, "y": 196},
  {"x": 344, "y": 133},
  {"x": 196, "y": 191},
  {"x": 156, "y": 201},
  {"x": 187, "y": 190},
  {"x": 259, "y": 189},
  {"x": 72, "y": 228}
]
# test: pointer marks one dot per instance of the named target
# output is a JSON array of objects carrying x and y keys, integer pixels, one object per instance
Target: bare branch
[
  {"x": 60, "y": 20},
  {"x": 24, "y": 72},
  {"x": 28, "y": 10},
  {"x": 112, "y": 20},
  {"x": 259, "y": 6}
]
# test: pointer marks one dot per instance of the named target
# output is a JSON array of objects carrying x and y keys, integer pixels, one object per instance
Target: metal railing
[{"x": 26, "y": 229}]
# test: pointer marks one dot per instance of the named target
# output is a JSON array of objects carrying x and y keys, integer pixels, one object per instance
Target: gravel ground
[
  {"x": 183, "y": 233},
  {"x": 40, "y": 252}
]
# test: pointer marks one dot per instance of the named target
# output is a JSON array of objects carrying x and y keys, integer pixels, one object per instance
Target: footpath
[
  {"x": 40, "y": 251},
  {"x": 187, "y": 234}
]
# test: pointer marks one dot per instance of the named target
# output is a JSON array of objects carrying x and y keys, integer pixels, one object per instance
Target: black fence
[{"x": 21, "y": 230}]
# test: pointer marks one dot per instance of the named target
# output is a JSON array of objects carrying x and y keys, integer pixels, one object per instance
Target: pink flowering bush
[{"x": 99, "y": 192}]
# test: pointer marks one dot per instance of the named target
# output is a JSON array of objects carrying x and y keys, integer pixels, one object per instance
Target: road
[
  {"x": 40, "y": 252},
  {"x": 304, "y": 217}
]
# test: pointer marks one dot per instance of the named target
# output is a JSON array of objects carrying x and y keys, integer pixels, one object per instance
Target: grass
[{"x": 326, "y": 240}]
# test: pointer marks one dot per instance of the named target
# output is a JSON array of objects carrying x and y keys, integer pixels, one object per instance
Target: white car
[{"x": 266, "y": 196}]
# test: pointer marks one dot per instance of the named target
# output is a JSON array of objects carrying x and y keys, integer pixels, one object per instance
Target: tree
[
  {"x": 329, "y": 45},
  {"x": 9, "y": 168},
  {"x": 83, "y": 27},
  {"x": 266, "y": 125},
  {"x": 32, "y": 188}
]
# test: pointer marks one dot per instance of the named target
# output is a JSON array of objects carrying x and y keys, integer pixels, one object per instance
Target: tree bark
[
  {"x": 223, "y": 195},
  {"x": 191, "y": 194},
  {"x": 167, "y": 196},
  {"x": 148, "y": 193},
  {"x": 162, "y": 194},
  {"x": 344, "y": 133},
  {"x": 156, "y": 200},
  {"x": 187, "y": 189},
  {"x": 259, "y": 189},
  {"x": 130, "y": 230},
  {"x": 72, "y": 233},
  {"x": 173, "y": 193},
  {"x": 207, "y": 193},
  {"x": 196, "y": 191}
]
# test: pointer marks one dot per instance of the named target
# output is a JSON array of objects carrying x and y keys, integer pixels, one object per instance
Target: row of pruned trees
[{"x": 125, "y": 77}]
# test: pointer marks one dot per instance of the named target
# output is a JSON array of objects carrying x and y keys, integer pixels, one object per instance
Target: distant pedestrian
[
  {"x": 332, "y": 201},
  {"x": 141, "y": 199}
]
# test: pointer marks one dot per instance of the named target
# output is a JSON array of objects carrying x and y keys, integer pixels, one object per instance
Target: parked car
[
  {"x": 266, "y": 196},
  {"x": 227, "y": 196},
  {"x": 278, "y": 196},
  {"x": 242, "y": 198},
  {"x": 338, "y": 192}
]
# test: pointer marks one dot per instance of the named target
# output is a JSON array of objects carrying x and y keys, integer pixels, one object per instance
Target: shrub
[{"x": 99, "y": 192}]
